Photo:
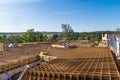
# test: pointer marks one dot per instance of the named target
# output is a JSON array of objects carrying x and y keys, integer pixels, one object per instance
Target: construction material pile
[{"x": 82, "y": 63}]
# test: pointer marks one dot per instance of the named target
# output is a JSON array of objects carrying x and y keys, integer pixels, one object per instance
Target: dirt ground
[
  {"x": 82, "y": 60},
  {"x": 26, "y": 50}
]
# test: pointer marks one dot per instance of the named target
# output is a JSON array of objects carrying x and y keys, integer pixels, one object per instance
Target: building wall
[{"x": 105, "y": 38}]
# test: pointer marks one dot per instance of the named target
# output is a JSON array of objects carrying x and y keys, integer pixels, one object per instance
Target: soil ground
[{"x": 26, "y": 50}]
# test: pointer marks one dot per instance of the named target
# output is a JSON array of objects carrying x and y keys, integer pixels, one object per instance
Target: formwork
[
  {"x": 83, "y": 63},
  {"x": 2, "y": 48},
  {"x": 18, "y": 63}
]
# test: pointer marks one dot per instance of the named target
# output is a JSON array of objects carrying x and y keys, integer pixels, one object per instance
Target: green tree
[
  {"x": 1, "y": 39},
  {"x": 15, "y": 39},
  {"x": 68, "y": 32},
  {"x": 94, "y": 37},
  {"x": 5, "y": 38},
  {"x": 45, "y": 38},
  {"x": 38, "y": 36},
  {"x": 49, "y": 38},
  {"x": 83, "y": 36},
  {"x": 29, "y": 36},
  {"x": 118, "y": 30},
  {"x": 32, "y": 36},
  {"x": 55, "y": 37}
]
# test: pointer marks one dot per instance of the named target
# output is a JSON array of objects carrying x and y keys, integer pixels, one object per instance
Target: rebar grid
[{"x": 83, "y": 63}]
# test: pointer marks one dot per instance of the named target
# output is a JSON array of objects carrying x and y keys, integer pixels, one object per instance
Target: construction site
[{"x": 70, "y": 60}]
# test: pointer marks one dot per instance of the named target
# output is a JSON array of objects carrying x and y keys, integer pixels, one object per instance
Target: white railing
[{"x": 114, "y": 42}]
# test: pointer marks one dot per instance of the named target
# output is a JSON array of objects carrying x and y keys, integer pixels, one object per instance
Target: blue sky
[{"x": 48, "y": 15}]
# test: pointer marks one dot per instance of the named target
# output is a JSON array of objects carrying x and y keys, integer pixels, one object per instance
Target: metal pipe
[{"x": 23, "y": 73}]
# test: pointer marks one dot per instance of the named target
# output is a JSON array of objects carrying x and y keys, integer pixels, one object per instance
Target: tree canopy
[
  {"x": 32, "y": 36},
  {"x": 68, "y": 32},
  {"x": 118, "y": 30}
]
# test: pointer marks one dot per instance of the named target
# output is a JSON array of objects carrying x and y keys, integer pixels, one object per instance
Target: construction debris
[
  {"x": 58, "y": 46},
  {"x": 45, "y": 57},
  {"x": 64, "y": 45}
]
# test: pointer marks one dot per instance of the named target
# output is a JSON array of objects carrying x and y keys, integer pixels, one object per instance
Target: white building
[
  {"x": 105, "y": 39},
  {"x": 114, "y": 43}
]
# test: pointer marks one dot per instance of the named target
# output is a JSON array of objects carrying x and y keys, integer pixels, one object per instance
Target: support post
[{"x": 118, "y": 52}]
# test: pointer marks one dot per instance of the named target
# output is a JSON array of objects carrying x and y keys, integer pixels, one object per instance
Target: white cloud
[
  {"x": 16, "y": 1},
  {"x": 66, "y": 12}
]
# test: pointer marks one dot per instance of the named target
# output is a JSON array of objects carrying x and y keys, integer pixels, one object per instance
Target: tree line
[{"x": 67, "y": 34}]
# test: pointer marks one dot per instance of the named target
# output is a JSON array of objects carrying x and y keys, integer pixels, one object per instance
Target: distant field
[{"x": 22, "y": 33}]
